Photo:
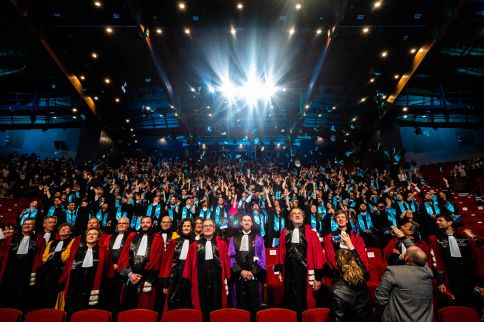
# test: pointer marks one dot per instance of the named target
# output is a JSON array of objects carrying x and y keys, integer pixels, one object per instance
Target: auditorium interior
[{"x": 290, "y": 160}]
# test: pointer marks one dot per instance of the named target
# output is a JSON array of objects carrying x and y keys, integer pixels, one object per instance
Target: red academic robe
[
  {"x": 104, "y": 270},
  {"x": 438, "y": 263},
  {"x": 191, "y": 272},
  {"x": 126, "y": 244},
  {"x": 145, "y": 300},
  {"x": 5, "y": 251},
  {"x": 388, "y": 250},
  {"x": 315, "y": 259},
  {"x": 358, "y": 243}
]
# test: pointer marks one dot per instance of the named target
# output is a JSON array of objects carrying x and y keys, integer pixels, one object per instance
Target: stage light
[
  {"x": 372, "y": 80},
  {"x": 353, "y": 119},
  {"x": 109, "y": 30},
  {"x": 74, "y": 117},
  {"x": 240, "y": 6},
  {"x": 384, "y": 53},
  {"x": 208, "y": 107},
  {"x": 298, "y": 6},
  {"x": 192, "y": 89},
  {"x": 233, "y": 31},
  {"x": 306, "y": 106},
  {"x": 362, "y": 100},
  {"x": 148, "y": 108},
  {"x": 229, "y": 90},
  {"x": 96, "y": 98},
  {"x": 413, "y": 50},
  {"x": 291, "y": 31},
  {"x": 319, "y": 31},
  {"x": 377, "y": 4},
  {"x": 304, "y": 114},
  {"x": 396, "y": 76},
  {"x": 405, "y": 109},
  {"x": 319, "y": 115},
  {"x": 131, "y": 129},
  {"x": 210, "y": 115},
  {"x": 117, "y": 100},
  {"x": 366, "y": 30},
  {"x": 94, "y": 55},
  {"x": 187, "y": 31},
  {"x": 159, "y": 31},
  {"x": 82, "y": 77},
  {"x": 182, "y": 6},
  {"x": 135, "y": 141},
  {"x": 334, "y": 107},
  {"x": 127, "y": 121},
  {"x": 176, "y": 114},
  {"x": 74, "y": 110},
  {"x": 107, "y": 80},
  {"x": 97, "y": 4},
  {"x": 284, "y": 89},
  {"x": 405, "y": 116},
  {"x": 211, "y": 89}
]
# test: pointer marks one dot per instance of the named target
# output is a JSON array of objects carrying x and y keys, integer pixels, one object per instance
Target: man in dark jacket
[{"x": 405, "y": 291}]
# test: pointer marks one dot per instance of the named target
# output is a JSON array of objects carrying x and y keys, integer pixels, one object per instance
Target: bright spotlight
[
  {"x": 233, "y": 31},
  {"x": 229, "y": 90},
  {"x": 211, "y": 89},
  {"x": 291, "y": 31}
]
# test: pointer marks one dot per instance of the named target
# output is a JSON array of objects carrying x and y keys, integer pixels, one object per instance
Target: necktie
[
  {"x": 88, "y": 258},
  {"x": 117, "y": 242},
  {"x": 142, "y": 246},
  {"x": 23, "y": 248},
  {"x": 454, "y": 247},
  {"x": 295, "y": 236},
  {"x": 208, "y": 250},
  {"x": 58, "y": 247},
  {"x": 244, "y": 245},
  {"x": 184, "y": 250}
]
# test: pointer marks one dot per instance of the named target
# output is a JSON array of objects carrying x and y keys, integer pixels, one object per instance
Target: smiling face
[
  {"x": 341, "y": 220},
  {"x": 123, "y": 225},
  {"x": 247, "y": 223},
  {"x": 208, "y": 228},
  {"x": 92, "y": 236},
  {"x": 187, "y": 227},
  {"x": 297, "y": 217}
]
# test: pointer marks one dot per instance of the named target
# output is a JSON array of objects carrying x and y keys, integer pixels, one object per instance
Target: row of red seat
[
  {"x": 448, "y": 314},
  {"x": 186, "y": 315}
]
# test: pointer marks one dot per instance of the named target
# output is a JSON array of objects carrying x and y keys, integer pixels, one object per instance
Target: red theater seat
[
  {"x": 316, "y": 315},
  {"x": 46, "y": 315},
  {"x": 91, "y": 316},
  {"x": 230, "y": 315},
  {"x": 279, "y": 315},
  {"x": 458, "y": 314},
  {"x": 10, "y": 315},
  {"x": 185, "y": 315},
  {"x": 138, "y": 315}
]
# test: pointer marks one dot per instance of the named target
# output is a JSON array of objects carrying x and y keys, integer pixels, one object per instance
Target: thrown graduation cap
[{"x": 297, "y": 163}]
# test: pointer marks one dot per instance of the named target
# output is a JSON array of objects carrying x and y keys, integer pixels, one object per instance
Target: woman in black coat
[{"x": 349, "y": 296}]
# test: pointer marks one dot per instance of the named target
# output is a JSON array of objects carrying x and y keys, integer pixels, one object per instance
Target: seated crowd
[{"x": 169, "y": 234}]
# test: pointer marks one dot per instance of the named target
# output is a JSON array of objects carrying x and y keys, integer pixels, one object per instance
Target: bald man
[{"x": 405, "y": 291}]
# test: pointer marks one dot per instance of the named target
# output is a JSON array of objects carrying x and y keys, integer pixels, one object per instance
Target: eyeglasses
[
  {"x": 208, "y": 226},
  {"x": 122, "y": 223}
]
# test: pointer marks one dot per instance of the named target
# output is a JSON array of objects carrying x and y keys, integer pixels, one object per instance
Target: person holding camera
[
  {"x": 349, "y": 295},
  {"x": 334, "y": 242}
]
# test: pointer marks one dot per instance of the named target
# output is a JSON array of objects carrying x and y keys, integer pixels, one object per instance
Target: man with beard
[
  {"x": 406, "y": 236},
  {"x": 300, "y": 262},
  {"x": 248, "y": 264},
  {"x": 118, "y": 241},
  {"x": 20, "y": 258},
  {"x": 53, "y": 262},
  {"x": 208, "y": 269},
  {"x": 174, "y": 286},
  {"x": 453, "y": 255},
  {"x": 139, "y": 265}
]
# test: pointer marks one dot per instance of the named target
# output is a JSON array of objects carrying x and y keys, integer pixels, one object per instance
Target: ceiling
[{"x": 337, "y": 68}]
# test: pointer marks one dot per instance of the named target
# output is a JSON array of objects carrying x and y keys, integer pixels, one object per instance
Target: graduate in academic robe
[
  {"x": 92, "y": 223},
  {"x": 119, "y": 240},
  {"x": 48, "y": 229},
  {"x": 20, "y": 258},
  {"x": 207, "y": 268},
  {"x": 139, "y": 265},
  {"x": 32, "y": 211},
  {"x": 248, "y": 263},
  {"x": 154, "y": 210},
  {"x": 88, "y": 266},
  {"x": 71, "y": 214},
  {"x": 175, "y": 288},
  {"x": 83, "y": 216},
  {"x": 299, "y": 263},
  {"x": 51, "y": 271},
  {"x": 333, "y": 242},
  {"x": 56, "y": 209},
  {"x": 276, "y": 221},
  {"x": 454, "y": 257}
]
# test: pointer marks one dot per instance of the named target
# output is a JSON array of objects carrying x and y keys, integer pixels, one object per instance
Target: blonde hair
[{"x": 351, "y": 271}]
